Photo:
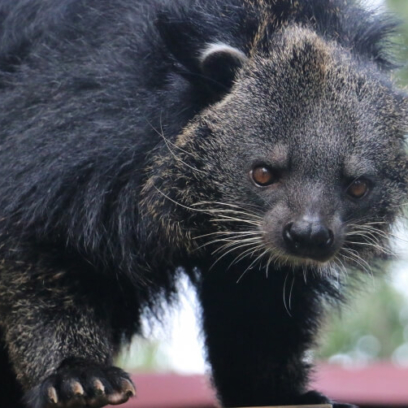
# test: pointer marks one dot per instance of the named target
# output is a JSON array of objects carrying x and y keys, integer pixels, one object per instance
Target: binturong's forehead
[{"x": 317, "y": 100}]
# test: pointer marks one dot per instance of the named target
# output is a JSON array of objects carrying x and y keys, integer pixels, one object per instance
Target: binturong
[{"x": 256, "y": 146}]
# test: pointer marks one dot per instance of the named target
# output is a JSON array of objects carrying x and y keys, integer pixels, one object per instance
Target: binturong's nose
[{"x": 309, "y": 238}]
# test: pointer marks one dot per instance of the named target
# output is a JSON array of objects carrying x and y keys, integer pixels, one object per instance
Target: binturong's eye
[
  {"x": 358, "y": 189},
  {"x": 264, "y": 176}
]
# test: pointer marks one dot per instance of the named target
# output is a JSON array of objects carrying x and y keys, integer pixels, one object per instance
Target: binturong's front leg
[
  {"x": 59, "y": 338},
  {"x": 257, "y": 330}
]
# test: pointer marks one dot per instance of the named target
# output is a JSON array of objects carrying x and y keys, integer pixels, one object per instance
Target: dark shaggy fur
[{"x": 258, "y": 144}]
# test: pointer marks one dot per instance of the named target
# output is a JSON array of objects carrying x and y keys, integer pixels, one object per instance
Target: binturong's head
[{"x": 300, "y": 162}]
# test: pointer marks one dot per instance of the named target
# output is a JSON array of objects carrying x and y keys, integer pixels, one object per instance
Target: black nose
[{"x": 309, "y": 238}]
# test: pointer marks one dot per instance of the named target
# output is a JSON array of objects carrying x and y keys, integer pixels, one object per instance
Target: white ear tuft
[{"x": 220, "y": 48}]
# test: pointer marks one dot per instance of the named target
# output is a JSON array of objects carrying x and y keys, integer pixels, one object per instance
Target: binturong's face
[{"x": 302, "y": 163}]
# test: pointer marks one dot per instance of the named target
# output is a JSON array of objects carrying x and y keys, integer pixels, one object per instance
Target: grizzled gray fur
[{"x": 255, "y": 145}]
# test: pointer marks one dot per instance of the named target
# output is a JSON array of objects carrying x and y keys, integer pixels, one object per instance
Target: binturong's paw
[
  {"x": 79, "y": 383},
  {"x": 315, "y": 398}
]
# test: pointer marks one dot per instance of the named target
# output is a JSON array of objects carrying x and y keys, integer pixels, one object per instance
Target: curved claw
[
  {"x": 52, "y": 395},
  {"x": 77, "y": 389},
  {"x": 128, "y": 388}
]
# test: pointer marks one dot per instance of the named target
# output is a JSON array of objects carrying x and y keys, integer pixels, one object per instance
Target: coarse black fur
[{"x": 132, "y": 136}]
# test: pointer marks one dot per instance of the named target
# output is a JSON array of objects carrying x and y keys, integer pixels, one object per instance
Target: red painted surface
[
  {"x": 380, "y": 384},
  {"x": 172, "y": 391}
]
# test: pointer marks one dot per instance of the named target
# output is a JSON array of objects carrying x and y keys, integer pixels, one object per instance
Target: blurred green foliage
[
  {"x": 144, "y": 356},
  {"x": 371, "y": 326},
  {"x": 399, "y": 8}
]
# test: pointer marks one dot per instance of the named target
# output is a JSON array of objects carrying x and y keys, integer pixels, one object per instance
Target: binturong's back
[{"x": 255, "y": 145}]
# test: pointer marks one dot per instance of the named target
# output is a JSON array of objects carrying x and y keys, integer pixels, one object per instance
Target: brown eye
[
  {"x": 358, "y": 189},
  {"x": 263, "y": 176}
]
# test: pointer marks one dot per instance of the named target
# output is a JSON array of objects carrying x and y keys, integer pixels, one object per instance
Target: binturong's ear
[
  {"x": 205, "y": 61},
  {"x": 220, "y": 62}
]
